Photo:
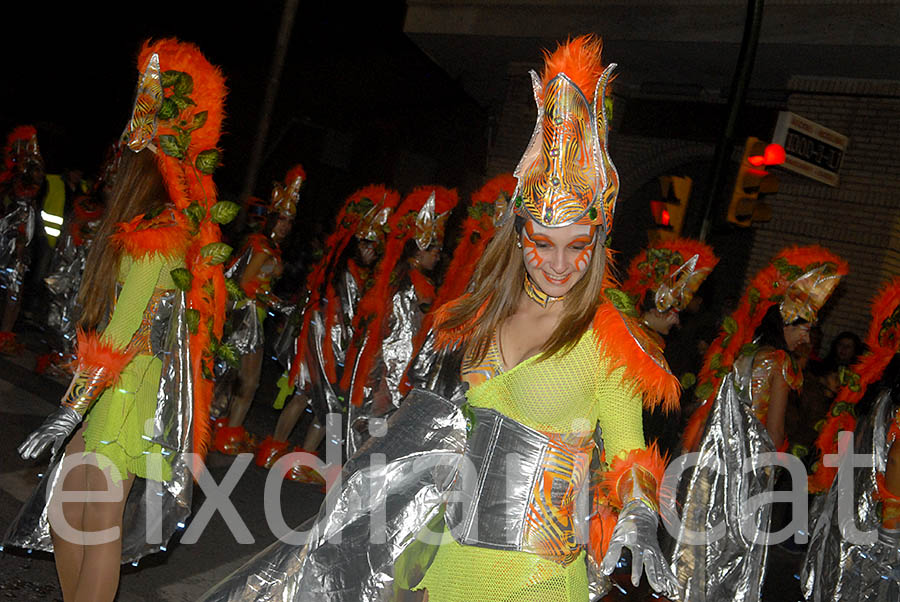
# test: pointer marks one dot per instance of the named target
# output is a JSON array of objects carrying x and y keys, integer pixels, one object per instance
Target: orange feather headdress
[
  {"x": 566, "y": 175},
  {"x": 178, "y": 113},
  {"x": 882, "y": 342},
  {"x": 672, "y": 269}
]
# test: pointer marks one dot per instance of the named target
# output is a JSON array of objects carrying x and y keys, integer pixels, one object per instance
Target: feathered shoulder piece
[
  {"x": 624, "y": 344},
  {"x": 774, "y": 284},
  {"x": 882, "y": 342},
  {"x": 165, "y": 234}
]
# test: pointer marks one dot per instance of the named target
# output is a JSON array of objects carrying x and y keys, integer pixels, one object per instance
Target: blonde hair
[{"x": 495, "y": 290}]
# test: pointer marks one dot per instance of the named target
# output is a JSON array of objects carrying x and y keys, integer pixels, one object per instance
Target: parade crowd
[{"x": 502, "y": 393}]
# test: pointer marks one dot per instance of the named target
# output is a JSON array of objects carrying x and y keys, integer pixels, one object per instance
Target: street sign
[{"x": 811, "y": 150}]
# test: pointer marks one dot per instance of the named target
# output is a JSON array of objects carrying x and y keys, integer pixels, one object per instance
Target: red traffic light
[{"x": 773, "y": 155}]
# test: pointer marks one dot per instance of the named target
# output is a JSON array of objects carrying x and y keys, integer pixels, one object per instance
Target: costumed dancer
[
  {"x": 746, "y": 376},
  {"x": 391, "y": 312},
  {"x": 836, "y": 566},
  {"x": 334, "y": 288},
  {"x": 69, "y": 255},
  {"x": 21, "y": 182},
  {"x": 138, "y": 403},
  {"x": 486, "y": 211},
  {"x": 671, "y": 271},
  {"x": 251, "y": 276},
  {"x": 555, "y": 374}
]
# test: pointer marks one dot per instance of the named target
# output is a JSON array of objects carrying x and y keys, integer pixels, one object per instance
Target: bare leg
[
  {"x": 69, "y": 555},
  {"x": 290, "y": 415},
  {"x": 314, "y": 436},
  {"x": 251, "y": 366},
  {"x": 100, "y": 570}
]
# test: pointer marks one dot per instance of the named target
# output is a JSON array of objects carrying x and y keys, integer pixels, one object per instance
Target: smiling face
[
  {"x": 796, "y": 335},
  {"x": 557, "y": 258}
]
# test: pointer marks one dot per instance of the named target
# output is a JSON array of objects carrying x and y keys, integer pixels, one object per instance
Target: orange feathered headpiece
[
  {"x": 882, "y": 342},
  {"x": 178, "y": 113},
  {"x": 286, "y": 195},
  {"x": 672, "y": 269},
  {"x": 489, "y": 204},
  {"x": 566, "y": 175},
  {"x": 410, "y": 220},
  {"x": 21, "y": 143},
  {"x": 351, "y": 220},
  {"x": 769, "y": 287},
  {"x": 179, "y": 109}
]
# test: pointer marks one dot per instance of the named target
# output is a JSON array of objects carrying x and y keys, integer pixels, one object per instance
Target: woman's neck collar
[{"x": 537, "y": 295}]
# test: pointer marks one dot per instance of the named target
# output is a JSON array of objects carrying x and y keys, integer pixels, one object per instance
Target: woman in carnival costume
[
  {"x": 487, "y": 210},
  {"x": 391, "y": 312},
  {"x": 661, "y": 282},
  {"x": 745, "y": 380},
  {"x": 138, "y": 403},
  {"x": 554, "y": 374},
  {"x": 671, "y": 271},
  {"x": 21, "y": 182},
  {"x": 251, "y": 276},
  {"x": 334, "y": 287},
  {"x": 840, "y": 565}
]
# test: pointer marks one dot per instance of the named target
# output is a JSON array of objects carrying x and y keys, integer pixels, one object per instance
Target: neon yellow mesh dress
[
  {"x": 563, "y": 394},
  {"x": 115, "y": 425}
]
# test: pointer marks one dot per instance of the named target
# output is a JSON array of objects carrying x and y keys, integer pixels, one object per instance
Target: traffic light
[
  {"x": 753, "y": 182},
  {"x": 668, "y": 212}
]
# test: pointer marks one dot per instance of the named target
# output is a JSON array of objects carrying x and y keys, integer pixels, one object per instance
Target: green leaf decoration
[
  {"x": 195, "y": 212},
  {"x": 182, "y": 278},
  {"x": 168, "y": 110},
  {"x": 469, "y": 415},
  {"x": 622, "y": 301},
  {"x": 229, "y": 353},
  {"x": 198, "y": 121},
  {"x": 169, "y": 145},
  {"x": 703, "y": 391},
  {"x": 169, "y": 78},
  {"x": 182, "y": 102},
  {"x": 184, "y": 85},
  {"x": 235, "y": 292},
  {"x": 207, "y": 373},
  {"x": 224, "y": 211},
  {"x": 715, "y": 361},
  {"x": 207, "y": 161},
  {"x": 729, "y": 325},
  {"x": 842, "y": 407},
  {"x": 216, "y": 252},
  {"x": 688, "y": 380},
  {"x": 192, "y": 317},
  {"x": 748, "y": 349}
]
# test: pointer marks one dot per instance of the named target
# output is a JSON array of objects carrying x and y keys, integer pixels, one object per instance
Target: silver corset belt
[{"x": 495, "y": 486}]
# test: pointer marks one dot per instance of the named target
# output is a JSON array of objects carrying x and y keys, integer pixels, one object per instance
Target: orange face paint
[{"x": 529, "y": 244}]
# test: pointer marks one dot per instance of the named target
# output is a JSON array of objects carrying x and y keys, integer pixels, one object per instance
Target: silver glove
[
  {"x": 55, "y": 430},
  {"x": 636, "y": 530}
]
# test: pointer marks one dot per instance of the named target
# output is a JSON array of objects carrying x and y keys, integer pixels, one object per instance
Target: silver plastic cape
[
  {"x": 390, "y": 491},
  {"x": 861, "y": 566},
  {"x": 12, "y": 266},
  {"x": 66, "y": 269},
  {"x": 381, "y": 392},
  {"x": 724, "y": 562},
  {"x": 325, "y": 396},
  {"x": 246, "y": 328},
  {"x": 155, "y": 508}
]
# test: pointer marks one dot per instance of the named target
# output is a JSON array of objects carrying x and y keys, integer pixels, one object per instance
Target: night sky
[{"x": 358, "y": 101}]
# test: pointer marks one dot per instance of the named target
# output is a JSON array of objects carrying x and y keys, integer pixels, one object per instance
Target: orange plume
[{"x": 580, "y": 60}]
